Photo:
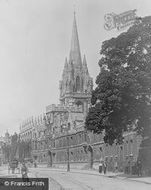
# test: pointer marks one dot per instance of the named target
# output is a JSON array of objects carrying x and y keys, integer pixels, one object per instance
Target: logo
[
  {"x": 6, "y": 183},
  {"x": 120, "y": 21}
]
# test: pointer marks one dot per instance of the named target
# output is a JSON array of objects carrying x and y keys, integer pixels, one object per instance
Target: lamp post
[
  {"x": 131, "y": 156},
  {"x": 68, "y": 153}
]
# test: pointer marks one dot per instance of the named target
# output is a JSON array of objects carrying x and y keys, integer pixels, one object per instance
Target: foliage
[
  {"x": 16, "y": 149},
  {"x": 122, "y": 99},
  {"x": 24, "y": 149},
  {"x": 6, "y": 151}
]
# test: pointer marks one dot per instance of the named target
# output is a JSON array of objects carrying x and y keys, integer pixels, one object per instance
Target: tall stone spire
[
  {"x": 76, "y": 84},
  {"x": 75, "y": 55}
]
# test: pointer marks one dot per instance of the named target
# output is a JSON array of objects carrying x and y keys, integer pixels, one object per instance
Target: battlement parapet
[{"x": 55, "y": 108}]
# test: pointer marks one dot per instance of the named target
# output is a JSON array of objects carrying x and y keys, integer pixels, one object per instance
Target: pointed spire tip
[
  {"x": 75, "y": 54},
  {"x": 74, "y": 11}
]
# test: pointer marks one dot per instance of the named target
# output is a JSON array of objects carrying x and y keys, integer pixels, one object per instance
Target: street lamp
[{"x": 68, "y": 153}]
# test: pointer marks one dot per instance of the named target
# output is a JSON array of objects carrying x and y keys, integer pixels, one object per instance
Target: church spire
[{"x": 75, "y": 55}]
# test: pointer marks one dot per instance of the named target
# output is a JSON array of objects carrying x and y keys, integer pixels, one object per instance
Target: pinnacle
[
  {"x": 84, "y": 60},
  {"x": 85, "y": 65},
  {"x": 66, "y": 62}
]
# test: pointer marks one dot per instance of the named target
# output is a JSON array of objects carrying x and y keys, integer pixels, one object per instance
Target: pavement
[
  {"x": 119, "y": 175},
  {"x": 77, "y": 180}
]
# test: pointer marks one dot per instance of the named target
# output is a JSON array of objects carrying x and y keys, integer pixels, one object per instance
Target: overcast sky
[{"x": 35, "y": 38}]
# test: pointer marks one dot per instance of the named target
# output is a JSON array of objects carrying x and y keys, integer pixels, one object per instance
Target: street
[
  {"x": 79, "y": 181},
  {"x": 59, "y": 179}
]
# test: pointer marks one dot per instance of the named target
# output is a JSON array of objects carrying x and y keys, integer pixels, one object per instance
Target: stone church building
[
  {"x": 64, "y": 141},
  {"x": 75, "y": 90}
]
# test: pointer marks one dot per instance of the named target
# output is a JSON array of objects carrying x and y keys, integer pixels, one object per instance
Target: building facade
[
  {"x": 26, "y": 130},
  {"x": 33, "y": 138},
  {"x": 59, "y": 137},
  {"x": 69, "y": 141},
  {"x": 85, "y": 148},
  {"x": 39, "y": 140}
]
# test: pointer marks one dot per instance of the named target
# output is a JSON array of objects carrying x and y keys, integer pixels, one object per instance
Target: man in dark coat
[{"x": 139, "y": 168}]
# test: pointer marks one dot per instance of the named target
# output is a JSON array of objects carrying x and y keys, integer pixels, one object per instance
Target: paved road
[{"x": 60, "y": 180}]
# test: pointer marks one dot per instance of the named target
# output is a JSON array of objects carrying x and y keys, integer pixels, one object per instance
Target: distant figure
[
  {"x": 100, "y": 166},
  {"x": 104, "y": 167},
  {"x": 116, "y": 166},
  {"x": 139, "y": 168},
  {"x": 35, "y": 164},
  {"x": 9, "y": 168},
  {"x": 24, "y": 171},
  {"x": 13, "y": 168},
  {"x": 129, "y": 167},
  {"x": 19, "y": 167}
]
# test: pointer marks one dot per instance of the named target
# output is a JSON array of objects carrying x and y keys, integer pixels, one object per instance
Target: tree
[
  {"x": 24, "y": 149},
  {"x": 17, "y": 149},
  {"x": 14, "y": 146},
  {"x": 6, "y": 152},
  {"x": 122, "y": 99}
]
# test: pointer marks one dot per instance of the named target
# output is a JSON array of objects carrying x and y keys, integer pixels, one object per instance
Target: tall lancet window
[
  {"x": 70, "y": 85},
  {"x": 77, "y": 83}
]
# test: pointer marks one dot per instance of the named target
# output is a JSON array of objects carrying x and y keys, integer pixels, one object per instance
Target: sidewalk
[
  {"x": 118, "y": 175},
  {"x": 88, "y": 171},
  {"x": 143, "y": 179}
]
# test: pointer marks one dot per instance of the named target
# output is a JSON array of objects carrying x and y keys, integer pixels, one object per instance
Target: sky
[{"x": 35, "y": 37}]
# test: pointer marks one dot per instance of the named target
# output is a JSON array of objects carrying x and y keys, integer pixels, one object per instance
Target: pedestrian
[
  {"x": 104, "y": 167},
  {"x": 100, "y": 166},
  {"x": 139, "y": 168},
  {"x": 19, "y": 167},
  {"x": 116, "y": 166},
  {"x": 9, "y": 167},
  {"x": 24, "y": 171},
  {"x": 129, "y": 167},
  {"x": 35, "y": 164}
]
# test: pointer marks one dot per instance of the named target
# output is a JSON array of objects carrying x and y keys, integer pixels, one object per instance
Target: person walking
[
  {"x": 104, "y": 167},
  {"x": 116, "y": 167},
  {"x": 19, "y": 167},
  {"x": 24, "y": 171},
  {"x": 139, "y": 168},
  {"x": 9, "y": 167},
  {"x": 100, "y": 166},
  {"x": 35, "y": 164}
]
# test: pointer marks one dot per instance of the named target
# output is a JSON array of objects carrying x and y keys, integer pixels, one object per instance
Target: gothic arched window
[
  {"x": 82, "y": 84},
  {"x": 77, "y": 83},
  {"x": 70, "y": 85},
  {"x": 66, "y": 84}
]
